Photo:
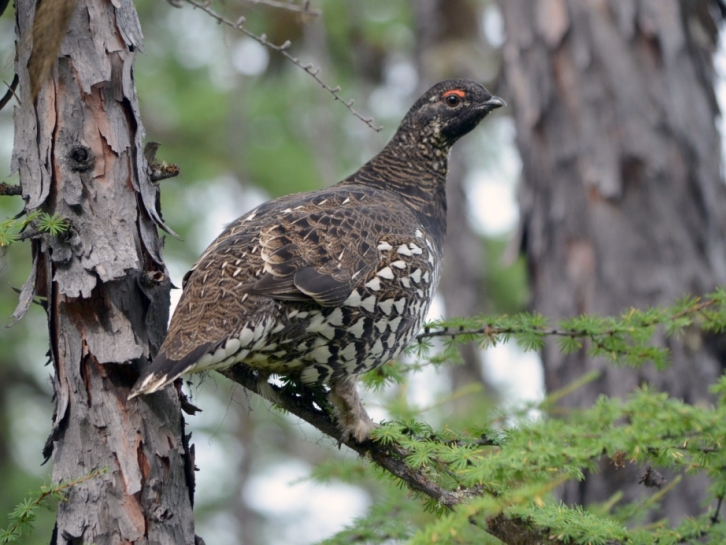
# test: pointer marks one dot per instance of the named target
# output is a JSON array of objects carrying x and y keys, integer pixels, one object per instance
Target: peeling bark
[
  {"x": 79, "y": 153},
  {"x": 623, "y": 200}
]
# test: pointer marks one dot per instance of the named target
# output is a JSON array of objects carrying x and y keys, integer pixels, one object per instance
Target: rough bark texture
[
  {"x": 623, "y": 202},
  {"x": 79, "y": 153}
]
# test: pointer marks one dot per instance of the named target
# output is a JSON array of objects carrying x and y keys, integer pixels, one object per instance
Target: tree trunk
[
  {"x": 622, "y": 204},
  {"x": 78, "y": 150}
]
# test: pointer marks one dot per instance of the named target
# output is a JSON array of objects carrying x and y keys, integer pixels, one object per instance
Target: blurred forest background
[{"x": 245, "y": 125}]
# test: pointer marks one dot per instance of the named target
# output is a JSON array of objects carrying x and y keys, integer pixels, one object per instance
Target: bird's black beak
[{"x": 493, "y": 103}]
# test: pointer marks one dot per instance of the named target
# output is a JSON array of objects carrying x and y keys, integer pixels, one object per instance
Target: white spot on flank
[
  {"x": 399, "y": 264},
  {"x": 287, "y": 210},
  {"x": 310, "y": 375},
  {"x": 405, "y": 282},
  {"x": 357, "y": 328},
  {"x": 259, "y": 330},
  {"x": 346, "y": 201},
  {"x": 336, "y": 317},
  {"x": 321, "y": 354},
  {"x": 403, "y": 250},
  {"x": 377, "y": 348},
  {"x": 315, "y": 323},
  {"x": 374, "y": 284},
  {"x": 386, "y": 273},
  {"x": 383, "y": 246},
  {"x": 348, "y": 353},
  {"x": 302, "y": 315},
  {"x": 416, "y": 276},
  {"x": 232, "y": 346},
  {"x": 400, "y": 304},
  {"x": 321, "y": 203},
  {"x": 204, "y": 361},
  {"x": 369, "y": 304},
  {"x": 393, "y": 324},
  {"x": 245, "y": 337},
  {"x": 386, "y": 306},
  {"x": 382, "y": 324},
  {"x": 251, "y": 216},
  {"x": 418, "y": 233},
  {"x": 353, "y": 299},
  {"x": 416, "y": 250},
  {"x": 426, "y": 277},
  {"x": 219, "y": 355}
]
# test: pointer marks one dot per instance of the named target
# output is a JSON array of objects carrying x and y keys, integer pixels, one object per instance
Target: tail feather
[{"x": 164, "y": 370}]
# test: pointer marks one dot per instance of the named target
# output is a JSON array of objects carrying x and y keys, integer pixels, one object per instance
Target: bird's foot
[{"x": 353, "y": 420}]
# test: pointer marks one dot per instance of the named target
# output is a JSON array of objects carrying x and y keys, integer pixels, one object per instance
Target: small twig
[
  {"x": 158, "y": 170},
  {"x": 715, "y": 517},
  {"x": 282, "y": 49},
  {"x": 10, "y": 92},
  {"x": 298, "y": 8},
  {"x": 8, "y": 190},
  {"x": 15, "y": 528}
]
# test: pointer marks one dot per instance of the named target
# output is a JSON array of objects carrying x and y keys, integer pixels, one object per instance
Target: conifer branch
[{"x": 24, "y": 514}]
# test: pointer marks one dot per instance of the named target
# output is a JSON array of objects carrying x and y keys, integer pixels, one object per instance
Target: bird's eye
[
  {"x": 452, "y": 101},
  {"x": 453, "y": 97}
]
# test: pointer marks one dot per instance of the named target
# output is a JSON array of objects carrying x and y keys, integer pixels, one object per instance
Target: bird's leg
[
  {"x": 265, "y": 389},
  {"x": 353, "y": 419}
]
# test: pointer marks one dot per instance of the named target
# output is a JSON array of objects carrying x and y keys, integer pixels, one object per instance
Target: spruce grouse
[{"x": 329, "y": 284}]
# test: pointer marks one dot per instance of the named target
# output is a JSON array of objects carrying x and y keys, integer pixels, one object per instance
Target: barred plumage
[{"x": 328, "y": 284}]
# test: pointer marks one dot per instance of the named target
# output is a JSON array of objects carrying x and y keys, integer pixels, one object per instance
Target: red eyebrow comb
[{"x": 457, "y": 92}]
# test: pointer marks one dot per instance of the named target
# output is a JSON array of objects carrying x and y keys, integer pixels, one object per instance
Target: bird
[{"x": 326, "y": 285}]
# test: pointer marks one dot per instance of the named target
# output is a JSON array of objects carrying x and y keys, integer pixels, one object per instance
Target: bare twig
[
  {"x": 6, "y": 190},
  {"x": 282, "y": 49},
  {"x": 10, "y": 92},
  {"x": 289, "y": 6},
  {"x": 717, "y": 512},
  {"x": 158, "y": 170}
]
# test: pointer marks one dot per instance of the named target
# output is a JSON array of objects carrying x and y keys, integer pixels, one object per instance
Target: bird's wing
[{"x": 322, "y": 249}]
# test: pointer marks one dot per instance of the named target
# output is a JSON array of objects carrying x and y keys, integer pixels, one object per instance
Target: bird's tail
[{"x": 164, "y": 370}]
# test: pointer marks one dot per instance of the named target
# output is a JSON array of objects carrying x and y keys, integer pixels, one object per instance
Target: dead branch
[
  {"x": 282, "y": 49},
  {"x": 303, "y": 8}
]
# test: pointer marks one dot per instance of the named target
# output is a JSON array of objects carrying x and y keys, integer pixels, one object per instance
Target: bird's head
[{"x": 448, "y": 111}]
